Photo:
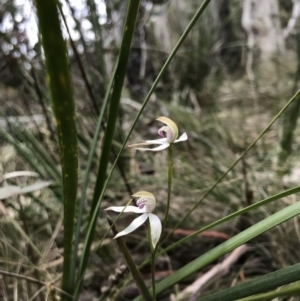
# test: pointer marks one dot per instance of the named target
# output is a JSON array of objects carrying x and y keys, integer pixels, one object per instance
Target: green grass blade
[
  {"x": 286, "y": 291},
  {"x": 229, "y": 245},
  {"x": 111, "y": 122},
  {"x": 64, "y": 111},
  {"x": 88, "y": 169},
  {"x": 258, "y": 285}
]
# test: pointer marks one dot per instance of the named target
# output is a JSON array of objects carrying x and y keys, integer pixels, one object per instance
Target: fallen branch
[{"x": 218, "y": 271}]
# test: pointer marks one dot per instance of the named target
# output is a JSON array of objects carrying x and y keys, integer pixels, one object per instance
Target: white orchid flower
[
  {"x": 145, "y": 204},
  {"x": 169, "y": 134}
]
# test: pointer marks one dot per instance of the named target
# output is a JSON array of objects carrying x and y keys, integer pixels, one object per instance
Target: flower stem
[
  {"x": 170, "y": 177},
  {"x": 153, "y": 274},
  {"x": 153, "y": 253}
]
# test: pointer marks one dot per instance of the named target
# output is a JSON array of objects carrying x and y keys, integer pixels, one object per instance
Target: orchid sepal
[
  {"x": 126, "y": 209},
  {"x": 155, "y": 229},
  {"x": 183, "y": 137},
  {"x": 133, "y": 226}
]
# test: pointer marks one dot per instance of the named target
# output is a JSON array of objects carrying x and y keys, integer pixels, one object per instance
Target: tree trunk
[
  {"x": 293, "y": 20},
  {"x": 261, "y": 22}
]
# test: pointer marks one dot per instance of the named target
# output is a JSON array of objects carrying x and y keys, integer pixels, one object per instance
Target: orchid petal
[
  {"x": 155, "y": 228},
  {"x": 134, "y": 225},
  {"x": 183, "y": 137},
  {"x": 139, "y": 144},
  {"x": 126, "y": 209},
  {"x": 157, "y": 141},
  {"x": 149, "y": 142},
  {"x": 155, "y": 149}
]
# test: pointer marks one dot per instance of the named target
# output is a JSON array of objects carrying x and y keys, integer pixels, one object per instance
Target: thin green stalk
[
  {"x": 170, "y": 177},
  {"x": 235, "y": 163},
  {"x": 153, "y": 253},
  {"x": 153, "y": 275},
  {"x": 79, "y": 61},
  {"x": 87, "y": 172},
  {"x": 286, "y": 291}
]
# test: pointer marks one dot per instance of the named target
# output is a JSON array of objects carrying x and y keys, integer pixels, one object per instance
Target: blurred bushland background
[{"x": 235, "y": 71}]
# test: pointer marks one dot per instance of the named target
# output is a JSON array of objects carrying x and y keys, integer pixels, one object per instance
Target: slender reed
[
  {"x": 170, "y": 177},
  {"x": 153, "y": 274},
  {"x": 153, "y": 251}
]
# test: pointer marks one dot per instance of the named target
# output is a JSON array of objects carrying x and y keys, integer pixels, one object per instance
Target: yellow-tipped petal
[
  {"x": 144, "y": 194},
  {"x": 171, "y": 124}
]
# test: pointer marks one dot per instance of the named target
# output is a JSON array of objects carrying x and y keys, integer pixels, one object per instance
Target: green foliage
[
  {"x": 260, "y": 284},
  {"x": 64, "y": 114}
]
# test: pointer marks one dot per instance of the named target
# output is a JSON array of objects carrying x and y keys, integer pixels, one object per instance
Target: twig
[
  {"x": 3, "y": 293},
  {"x": 219, "y": 270}
]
